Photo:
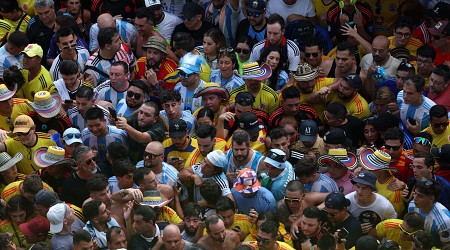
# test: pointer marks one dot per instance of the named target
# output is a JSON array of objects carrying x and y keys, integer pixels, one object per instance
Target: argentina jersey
[
  {"x": 253, "y": 163},
  {"x": 324, "y": 184},
  {"x": 104, "y": 92},
  {"x": 82, "y": 57},
  {"x": 420, "y": 113},
  {"x": 7, "y": 60},
  {"x": 99, "y": 144},
  {"x": 188, "y": 102},
  {"x": 185, "y": 115},
  {"x": 78, "y": 120},
  {"x": 122, "y": 109}
]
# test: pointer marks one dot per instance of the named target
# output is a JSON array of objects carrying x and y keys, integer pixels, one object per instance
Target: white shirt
[
  {"x": 167, "y": 25},
  {"x": 419, "y": 113},
  {"x": 83, "y": 56},
  {"x": 437, "y": 221},
  {"x": 293, "y": 53},
  {"x": 381, "y": 206},
  {"x": 301, "y": 7},
  {"x": 7, "y": 60}
]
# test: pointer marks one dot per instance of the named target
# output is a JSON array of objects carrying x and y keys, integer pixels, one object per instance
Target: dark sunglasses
[
  {"x": 188, "y": 18},
  {"x": 308, "y": 55},
  {"x": 292, "y": 200},
  {"x": 329, "y": 213},
  {"x": 87, "y": 162},
  {"x": 255, "y": 15},
  {"x": 229, "y": 50},
  {"x": 395, "y": 148},
  {"x": 245, "y": 101},
  {"x": 70, "y": 46},
  {"x": 136, "y": 96},
  {"x": 421, "y": 140},
  {"x": 22, "y": 134},
  {"x": 243, "y": 51},
  {"x": 441, "y": 124},
  {"x": 70, "y": 136},
  {"x": 435, "y": 37},
  {"x": 184, "y": 75},
  {"x": 150, "y": 155},
  {"x": 264, "y": 241}
]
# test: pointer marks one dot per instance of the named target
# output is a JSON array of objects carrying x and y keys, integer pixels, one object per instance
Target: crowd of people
[{"x": 224, "y": 124}]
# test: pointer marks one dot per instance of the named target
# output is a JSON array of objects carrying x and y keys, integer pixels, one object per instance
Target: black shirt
[
  {"x": 58, "y": 124},
  {"x": 74, "y": 190},
  {"x": 353, "y": 226},
  {"x": 354, "y": 129},
  {"x": 196, "y": 34}
]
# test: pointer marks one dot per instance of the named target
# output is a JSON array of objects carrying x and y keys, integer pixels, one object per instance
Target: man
[
  {"x": 71, "y": 139},
  {"x": 275, "y": 36},
  {"x": 438, "y": 82},
  {"x": 225, "y": 15},
  {"x": 370, "y": 207},
  {"x": 171, "y": 103},
  {"x": 265, "y": 98},
  {"x": 179, "y": 146},
  {"x": 308, "y": 141},
  {"x": 279, "y": 173},
  {"x": 190, "y": 81},
  {"x": 172, "y": 238},
  {"x": 116, "y": 238},
  {"x": 155, "y": 68},
  {"x": 84, "y": 100},
  {"x": 250, "y": 123},
  {"x": 440, "y": 41},
  {"x": 439, "y": 128},
  {"x": 27, "y": 142},
  {"x": 425, "y": 59},
  {"x": 14, "y": 14},
  {"x": 404, "y": 71},
  {"x": 66, "y": 42},
  {"x": 240, "y": 223},
  {"x": 437, "y": 219},
  {"x": 37, "y": 78},
  {"x": 61, "y": 218},
  {"x": 344, "y": 63},
  {"x": 145, "y": 29},
  {"x": 340, "y": 219},
  {"x": 35, "y": 231},
  {"x": 315, "y": 57},
  {"x": 267, "y": 237},
  {"x": 10, "y": 52},
  {"x": 82, "y": 240},
  {"x": 400, "y": 160},
  {"x": 98, "y": 135},
  {"x": 441, "y": 156},
  {"x": 339, "y": 162},
  {"x": 310, "y": 228},
  {"x": 307, "y": 171},
  {"x": 136, "y": 95},
  {"x": 164, "y": 21},
  {"x": 255, "y": 24},
  {"x": 98, "y": 221},
  {"x": 111, "y": 50},
  {"x": 27, "y": 188},
  {"x": 142, "y": 127},
  {"x": 193, "y": 225},
  {"x": 280, "y": 140},
  {"x": 147, "y": 231},
  {"x": 218, "y": 236},
  {"x": 110, "y": 92},
  {"x": 206, "y": 142},
  {"x": 123, "y": 176},
  {"x": 402, "y": 37}
]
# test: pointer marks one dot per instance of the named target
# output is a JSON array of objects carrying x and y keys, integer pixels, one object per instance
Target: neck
[
  {"x": 75, "y": 86},
  {"x": 194, "y": 86},
  {"x": 227, "y": 75},
  {"x": 427, "y": 208},
  {"x": 66, "y": 229},
  {"x": 33, "y": 142},
  {"x": 160, "y": 20},
  {"x": 255, "y": 91},
  {"x": 66, "y": 56},
  {"x": 367, "y": 201},
  {"x": 34, "y": 72},
  {"x": 383, "y": 176},
  {"x": 106, "y": 54},
  {"x": 157, "y": 169},
  {"x": 121, "y": 87},
  {"x": 102, "y": 227},
  {"x": 198, "y": 26},
  {"x": 418, "y": 102},
  {"x": 9, "y": 180},
  {"x": 84, "y": 175},
  {"x": 259, "y": 27}
]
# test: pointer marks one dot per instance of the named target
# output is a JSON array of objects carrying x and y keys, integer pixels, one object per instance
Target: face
[
  {"x": 104, "y": 214},
  {"x": 67, "y": 44},
  {"x": 253, "y": 85},
  {"x": 70, "y": 80},
  {"x": 363, "y": 192},
  {"x": 209, "y": 46},
  {"x": 424, "y": 65},
  {"x": 410, "y": 95},
  {"x": 243, "y": 51},
  {"x": 419, "y": 147},
  {"x": 272, "y": 171},
  {"x": 189, "y": 80},
  {"x": 226, "y": 66},
  {"x": 142, "y": 25},
  {"x": 208, "y": 169},
  {"x": 381, "y": 106},
  {"x": 335, "y": 216},
  {"x": 421, "y": 200},
  {"x": 293, "y": 200},
  {"x": 9, "y": 15},
  {"x": 437, "y": 83},
  {"x": 97, "y": 127},
  {"x": 154, "y": 57},
  {"x": 103, "y": 196},
  {"x": 83, "y": 245},
  {"x": 179, "y": 142},
  {"x": 345, "y": 91},
  {"x": 217, "y": 231},
  {"x": 141, "y": 226},
  {"x": 204, "y": 120},
  {"x": 265, "y": 241},
  {"x": 150, "y": 182},
  {"x": 282, "y": 144},
  {"x": 172, "y": 241},
  {"x": 6, "y": 107},
  {"x": 228, "y": 217},
  {"x": 157, "y": 12},
  {"x": 370, "y": 134},
  {"x": 18, "y": 217},
  {"x": 239, "y": 109},
  {"x": 400, "y": 78},
  {"x": 439, "y": 125},
  {"x": 153, "y": 156},
  {"x": 420, "y": 170},
  {"x": 306, "y": 87},
  {"x": 137, "y": 99},
  {"x": 273, "y": 59},
  {"x": 83, "y": 104},
  {"x": 73, "y": 6},
  {"x": 118, "y": 241},
  {"x": 274, "y": 33},
  {"x": 28, "y": 138},
  {"x": 46, "y": 14},
  {"x": 193, "y": 22},
  {"x": 87, "y": 162},
  {"x": 380, "y": 52},
  {"x": 402, "y": 36},
  {"x": 126, "y": 181},
  {"x": 116, "y": 43},
  {"x": 292, "y": 133},
  {"x": 211, "y": 101},
  {"x": 240, "y": 151},
  {"x": 117, "y": 76},
  {"x": 336, "y": 171},
  {"x": 10, "y": 174},
  {"x": 331, "y": 120},
  {"x": 393, "y": 148},
  {"x": 256, "y": 19},
  {"x": 313, "y": 56},
  {"x": 310, "y": 226},
  {"x": 30, "y": 63},
  {"x": 191, "y": 224},
  {"x": 205, "y": 145},
  {"x": 172, "y": 109},
  {"x": 439, "y": 42},
  {"x": 344, "y": 61}
]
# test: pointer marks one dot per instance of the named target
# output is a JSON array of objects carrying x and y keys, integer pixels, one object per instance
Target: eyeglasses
[
  {"x": 184, "y": 75},
  {"x": 421, "y": 140},
  {"x": 395, "y": 148},
  {"x": 70, "y": 46},
  {"x": 134, "y": 95},
  {"x": 440, "y": 124},
  {"x": 22, "y": 134},
  {"x": 435, "y": 37},
  {"x": 292, "y": 200},
  {"x": 72, "y": 135},
  {"x": 150, "y": 155},
  {"x": 88, "y": 162},
  {"x": 436, "y": 82},
  {"x": 406, "y": 232},
  {"x": 255, "y": 15},
  {"x": 308, "y": 55},
  {"x": 400, "y": 34},
  {"x": 424, "y": 62},
  {"x": 245, "y": 101},
  {"x": 329, "y": 213},
  {"x": 243, "y": 51},
  {"x": 264, "y": 241}
]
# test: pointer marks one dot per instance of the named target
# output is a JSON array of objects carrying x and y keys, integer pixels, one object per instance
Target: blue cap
[{"x": 190, "y": 63}]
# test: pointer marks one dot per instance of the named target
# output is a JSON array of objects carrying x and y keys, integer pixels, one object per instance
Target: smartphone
[
  {"x": 412, "y": 121},
  {"x": 179, "y": 184},
  {"x": 113, "y": 113},
  {"x": 342, "y": 233}
]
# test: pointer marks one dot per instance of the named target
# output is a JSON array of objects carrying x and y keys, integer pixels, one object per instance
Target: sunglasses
[
  {"x": 70, "y": 46},
  {"x": 88, "y": 162},
  {"x": 435, "y": 37},
  {"x": 422, "y": 141},
  {"x": 308, "y": 55},
  {"x": 400, "y": 34},
  {"x": 243, "y": 51},
  {"x": 292, "y": 200},
  {"x": 22, "y": 134},
  {"x": 150, "y": 155},
  {"x": 329, "y": 213},
  {"x": 188, "y": 18},
  {"x": 184, "y": 75},
  {"x": 70, "y": 136},
  {"x": 264, "y": 241},
  {"x": 395, "y": 148},
  {"x": 229, "y": 50},
  {"x": 255, "y": 15},
  {"x": 406, "y": 232},
  {"x": 440, "y": 124},
  {"x": 136, "y": 96}
]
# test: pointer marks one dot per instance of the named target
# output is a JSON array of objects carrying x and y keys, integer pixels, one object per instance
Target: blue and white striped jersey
[
  {"x": 104, "y": 92},
  {"x": 419, "y": 113},
  {"x": 83, "y": 56},
  {"x": 7, "y": 60},
  {"x": 78, "y": 120},
  {"x": 185, "y": 115},
  {"x": 188, "y": 102},
  {"x": 99, "y": 144},
  {"x": 233, "y": 82}
]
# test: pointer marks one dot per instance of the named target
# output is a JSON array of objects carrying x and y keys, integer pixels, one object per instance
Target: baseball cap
[
  {"x": 337, "y": 136},
  {"x": 37, "y": 226},
  {"x": 150, "y": 3},
  {"x": 440, "y": 28},
  {"x": 353, "y": 80},
  {"x": 442, "y": 153},
  {"x": 366, "y": 242},
  {"x": 440, "y": 10},
  {"x": 46, "y": 198},
  {"x": 33, "y": 50},
  {"x": 366, "y": 178},
  {"x": 308, "y": 131},
  {"x": 250, "y": 123},
  {"x": 177, "y": 128},
  {"x": 336, "y": 200},
  {"x": 244, "y": 99},
  {"x": 72, "y": 135},
  {"x": 56, "y": 215},
  {"x": 255, "y": 6},
  {"x": 190, "y": 63},
  {"x": 23, "y": 124},
  {"x": 191, "y": 9},
  {"x": 276, "y": 158}
]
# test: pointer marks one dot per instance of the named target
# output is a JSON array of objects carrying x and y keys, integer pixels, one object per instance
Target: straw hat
[
  {"x": 375, "y": 160},
  {"x": 45, "y": 104},
  {"x": 212, "y": 88},
  {"x": 339, "y": 156},
  {"x": 53, "y": 155},
  {"x": 254, "y": 72},
  {"x": 305, "y": 72},
  {"x": 6, "y": 161}
]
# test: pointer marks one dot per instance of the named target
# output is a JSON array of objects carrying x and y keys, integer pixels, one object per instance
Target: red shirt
[{"x": 402, "y": 165}]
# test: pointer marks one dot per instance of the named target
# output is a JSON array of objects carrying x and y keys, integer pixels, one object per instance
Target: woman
[
  {"x": 8, "y": 169},
  {"x": 82, "y": 16},
  {"x": 225, "y": 75},
  {"x": 271, "y": 56},
  {"x": 243, "y": 49},
  {"x": 17, "y": 211},
  {"x": 205, "y": 116},
  {"x": 384, "y": 101},
  {"x": 213, "y": 41},
  {"x": 371, "y": 137}
]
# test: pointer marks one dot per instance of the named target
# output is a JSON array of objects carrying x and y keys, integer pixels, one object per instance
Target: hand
[
  {"x": 227, "y": 116},
  {"x": 136, "y": 194},
  {"x": 366, "y": 227},
  {"x": 3, "y": 135},
  {"x": 231, "y": 176},
  {"x": 294, "y": 17},
  {"x": 414, "y": 129},
  {"x": 121, "y": 123},
  {"x": 197, "y": 179},
  {"x": 111, "y": 120},
  {"x": 349, "y": 31},
  {"x": 405, "y": 193},
  {"x": 117, "y": 17},
  {"x": 127, "y": 210},
  {"x": 306, "y": 245},
  {"x": 151, "y": 77},
  {"x": 343, "y": 18},
  {"x": 105, "y": 104},
  {"x": 178, "y": 164},
  {"x": 52, "y": 132},
  {"x": 357, "y": 18},
  {"x": 88, "y": 78},
  {"x": 324, "y": 91},
  {"x": 396, "y": 184},
  {"x": 80, "y": 22},
  {"x": 372, "y": 69},
  {"x": 177, "y": 190},
  {"x": 253, "y": 216},
  {"x": 96, "y": 246},
  {"x": 393, "y": 107}
]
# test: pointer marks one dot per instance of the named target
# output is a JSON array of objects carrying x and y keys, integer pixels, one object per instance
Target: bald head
[
  {"x": 172, "y": 238},
  {"x": 381, "y": 41},
  {"x": 380, "y": 50},
  {"x": 171, "y": 230},
  {"x": 155, "y": 147},
  {"x": 106, "y": 21}
]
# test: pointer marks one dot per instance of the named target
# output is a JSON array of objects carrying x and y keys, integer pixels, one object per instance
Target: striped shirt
[
  {"x": 226, "y": 18},
  {"x": 231, "y": 83},
  {"x": 105, "y": 92},
  {"x": 357, "y": 107},
  {"x": 188, "y": 102},
  {"x": 293, "y": 53},
  {"x": 324, "y": 184},
  {"x": 100, "y": 144},
  {"x": 123, "y": 110},
  {"x": 82, "y": 57},
  {"x": 419, "y": 113},
  {"x": 78, "y": 120},
  {"x": 253, "y": 163},
  {"x": 220, "y": 179},
  {"x": 266, "y": 100},
  {"x": 114, "y": 185},
  {"x": 127, "y": 32},
  {"x": 168, "y": 175},
  {"x": 7, "y": 60},
  {"x": 185, "y": 115},
  {"x": 43, "y": 81}
]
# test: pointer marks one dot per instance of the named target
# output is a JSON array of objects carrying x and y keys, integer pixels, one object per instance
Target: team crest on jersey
[
  {"x": 102, "y": 147},
  {"x": 25, "y": 7},
  {"x": 196, "y": 103},
  {"x": 261, "y": 139},
  {"x": 262, "y": 106}
]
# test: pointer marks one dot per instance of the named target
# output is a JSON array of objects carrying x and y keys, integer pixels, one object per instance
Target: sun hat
[
  {"x": 153, "y": 198},
  {"x": 23, "y": 124},
  {"x": 305, "y": 72},
  {"x": 5, "y": 93},
  {"x": 6, "y": 161},
  {"x": 401, "y": 53},
  {"x": 190, "y": 63},
  {"x": 339, "y": 156},
  {"x": 45, "y": 104},
  {"x": 254, "y": 72},
  {"x": 56, "y": 215},
  {"x": 33, "y": 50},
  {"x": 212, "y": 88},
  {"x": 53, "y": 155},
  {"x": 276, "y": 158},
  {"x": 250, "y": 123},
  {"x": 157, "y": 43},
  {"x": 366, "y": 178},
  {"x": 375, "y": 160},
  {"x": 38, "y": 226},
  {"x": 72, "y": 135},
  {"x": 247, "y": 181}
]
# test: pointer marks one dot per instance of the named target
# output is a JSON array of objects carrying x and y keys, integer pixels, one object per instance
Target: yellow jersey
[
  {"x": 216, "y": 115},
  {"x": 242, "y": 222},
  {"x": 13, "y": 189},
  {"x": 23, "y": 25},
  {"x": 281, "y": 230},
  {"x": 5, "y": 29},
  {"x": 17, "y": 236},
  {"x": 390, "y": 229},
  {"x": 319, "y": 107},
  {"x": 266, "y": 100},
  {"x": 170, "y": 150},
  {"x": 395, "y": 197},
  {"x": 385, "y": 13},
  {"x": 43, "y": 81},
  {"x": 357, "y": 107},
  {"x": 28, "y": 7},
  {"x": 281, "y": 245},
  {"x": 169, "y": 215},
  {"x": 439, "y": 140},
  {"x": 20, "y": 177},
  {"x": 412, "y": 45},
  {"x": 27, "y": 165},
  {"x": 196, "y": 157},
  {"x": 20, "y": 107},
  {"x": 322, "y": 7}
]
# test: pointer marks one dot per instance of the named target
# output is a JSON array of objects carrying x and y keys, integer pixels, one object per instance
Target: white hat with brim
[
  {"x": 53, "y": 155},
  {"x": 45, "y": 104},
  {"x": 375, "y": 160},
  {"x": 5, "y": 93},
  {"x": 6, "y": 161},
  {"x": 252, "y": 71},
  {"x": 306, "y": 73}
]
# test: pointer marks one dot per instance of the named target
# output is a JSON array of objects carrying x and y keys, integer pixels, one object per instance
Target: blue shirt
[
  {"x": 420, "y": 113},
  {"x": 230, "y": 83},
  {"x": 100, "y": 144},
  {"x": 278, "y": 184},
  {"x": 262, "y": 202},
  {"x": 324, "y": 185}
]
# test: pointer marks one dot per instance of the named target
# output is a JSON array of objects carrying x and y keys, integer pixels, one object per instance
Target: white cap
[
  {"x": 55, "y": 216},
  {"x": 276, "y": 158},
  {"x": 72, "y": 135},
  {"x": 149, "y": 3}
]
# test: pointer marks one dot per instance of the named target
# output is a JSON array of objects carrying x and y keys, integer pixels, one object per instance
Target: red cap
[{"x": 36, "y": 226}]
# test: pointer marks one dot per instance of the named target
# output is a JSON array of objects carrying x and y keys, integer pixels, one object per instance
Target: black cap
[
  {"x": 366, "y": 242},
  {"x": 442, "y": 153},
  {"x": 9, "y": 6},
  {"x": 440, "y": 10},
  {"x": 353, "y": 80},
  {"x": 337, "y": 136},
  {"x": 250, "y": 123},
  {"x": 255, "y": 6},
  {"x": 191, "y": 9},
  {"x": 177, "y": 128},
  {"x": 336, "y": 200},
  {"x": 244, "y": 99}
]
